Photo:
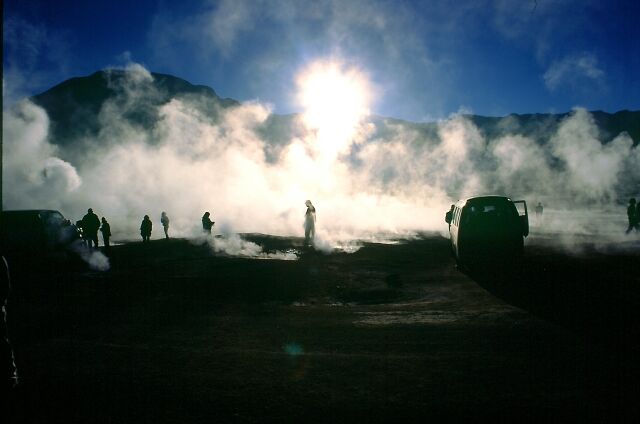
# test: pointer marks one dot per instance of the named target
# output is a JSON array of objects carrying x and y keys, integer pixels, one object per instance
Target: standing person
[
  {"x": 632, "y": 215},
  {"x": 164, "y": 219},
  {"x": 90, "y": 226},
  {"x": 309, "y": 223},
  {"x": 539, "y": 209},
  {"x": 448, "y": 217},
  {"x": 637, "y": 221},
  {"x": 207, "y": 223},
  {"x": 106, "y": 232},
  {"x": 145, "y": 228}
]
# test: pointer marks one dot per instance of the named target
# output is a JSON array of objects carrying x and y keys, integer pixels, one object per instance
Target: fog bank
[{"x": 363, "y": 183}]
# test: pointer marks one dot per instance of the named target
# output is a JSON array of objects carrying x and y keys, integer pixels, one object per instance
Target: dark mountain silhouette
[
  {"x": 75, "y": 106},
  {"x": 538, "y": 124}
]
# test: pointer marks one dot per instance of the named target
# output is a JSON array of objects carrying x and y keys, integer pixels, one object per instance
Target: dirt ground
[{"x": 392, "y": 332}]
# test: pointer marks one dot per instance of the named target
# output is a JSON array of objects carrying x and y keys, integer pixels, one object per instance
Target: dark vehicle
[
  {"x": 488, "y": 229},
  {"x": 35, "y": 232}
]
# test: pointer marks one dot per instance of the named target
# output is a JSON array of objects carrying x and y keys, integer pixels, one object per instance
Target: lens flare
[{"x": 335, "y": 99}]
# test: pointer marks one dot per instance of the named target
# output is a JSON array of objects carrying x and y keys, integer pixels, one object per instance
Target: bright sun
[{"x": 335, "y": 98}]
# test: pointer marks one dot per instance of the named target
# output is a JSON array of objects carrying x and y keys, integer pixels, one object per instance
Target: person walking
[
  {"x": 145, "y": 228},
  {"x": 164, "y": 219},
  {"x": 207, "y": 223},
  {"x": 90, "y": 226},
  {"x": 106, "y": 232}
]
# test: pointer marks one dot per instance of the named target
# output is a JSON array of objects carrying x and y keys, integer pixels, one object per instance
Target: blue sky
[{"x": 427, "y": 59}]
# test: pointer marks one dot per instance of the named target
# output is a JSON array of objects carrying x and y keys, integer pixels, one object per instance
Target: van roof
[
  {"x": 27, "y": 211},
  {"x": 482, "y": 199},
  {"x": 30, "y": 212}
]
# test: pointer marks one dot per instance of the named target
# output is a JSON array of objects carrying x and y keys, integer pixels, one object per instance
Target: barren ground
[{"x": 174, "y": 333}]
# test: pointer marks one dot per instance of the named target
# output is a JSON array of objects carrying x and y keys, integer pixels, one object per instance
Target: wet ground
[{"x": 175, "y": 333}]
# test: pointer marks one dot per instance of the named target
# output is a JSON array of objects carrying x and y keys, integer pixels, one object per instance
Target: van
[
  {"x": 36, "y": 231},
  {"x": 488, "y": 229}
]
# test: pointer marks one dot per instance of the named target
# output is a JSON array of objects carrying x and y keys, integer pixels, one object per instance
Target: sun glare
[{"x": 335, "y": 98}]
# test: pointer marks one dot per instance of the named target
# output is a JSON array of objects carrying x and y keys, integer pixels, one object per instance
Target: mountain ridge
[{"x": 74, "y": 106}]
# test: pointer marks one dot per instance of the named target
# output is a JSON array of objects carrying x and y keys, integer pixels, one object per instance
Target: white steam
[
  {"x": 96, "y": 260},
  {"x": 366, "y": 177},
  {"x": 31, "y": 170},
  {"x": 591, "y": 169},
  {"x": 234, "y": 245}
]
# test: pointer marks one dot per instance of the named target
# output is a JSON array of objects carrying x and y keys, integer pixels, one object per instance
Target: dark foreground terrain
[{"x": 174, "y": 333}]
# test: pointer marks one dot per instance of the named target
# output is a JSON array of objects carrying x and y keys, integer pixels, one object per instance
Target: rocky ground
[{"x": 176, "y": 333}]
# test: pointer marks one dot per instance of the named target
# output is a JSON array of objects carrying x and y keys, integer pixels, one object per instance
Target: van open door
[{"x": 521, "y": 206}]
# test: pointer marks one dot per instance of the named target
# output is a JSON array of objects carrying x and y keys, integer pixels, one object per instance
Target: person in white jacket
[
  {"x": 309, "y": 223},
  {"x": 164, "y": 219}
]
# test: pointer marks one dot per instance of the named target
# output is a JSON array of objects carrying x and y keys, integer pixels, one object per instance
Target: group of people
[
  {"x": 147, "y": 226},
  {"x": 91, "y": 224},
  {"x": 633, "y": 214}
]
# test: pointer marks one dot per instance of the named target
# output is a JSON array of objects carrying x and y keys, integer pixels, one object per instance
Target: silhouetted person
[
  {"x": 90, "y": 226},
  {"x": 106, "y": 232},
  {"x": 637, "y": 221},
  {"x": 164, "y": 219},
  {"x": 145, "y": 228},
  {"x": 448, "y": 217},
  {"x": 539, "y": 209},
  {"x": 207, "y": 223},
  {"x": 632, "y": 215},
  {"x": 309, "y": 223},
  {"x": 7, "y": 362}
]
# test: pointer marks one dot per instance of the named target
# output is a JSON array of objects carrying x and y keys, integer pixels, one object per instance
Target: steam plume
[{"x": 383, "y": 177}]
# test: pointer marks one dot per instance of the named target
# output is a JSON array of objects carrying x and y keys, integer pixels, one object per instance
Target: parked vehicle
[
  {"x": 35, "y": 232},
  {"x": 488, "y": 229}
]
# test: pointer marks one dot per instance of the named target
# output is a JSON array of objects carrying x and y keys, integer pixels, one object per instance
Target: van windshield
[
  {"x": 489, "y": 214},
  {"x": 52, "y": 218}
]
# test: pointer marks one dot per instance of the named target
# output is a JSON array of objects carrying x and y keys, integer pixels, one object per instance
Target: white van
[{"x": 488, "y": 228}]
